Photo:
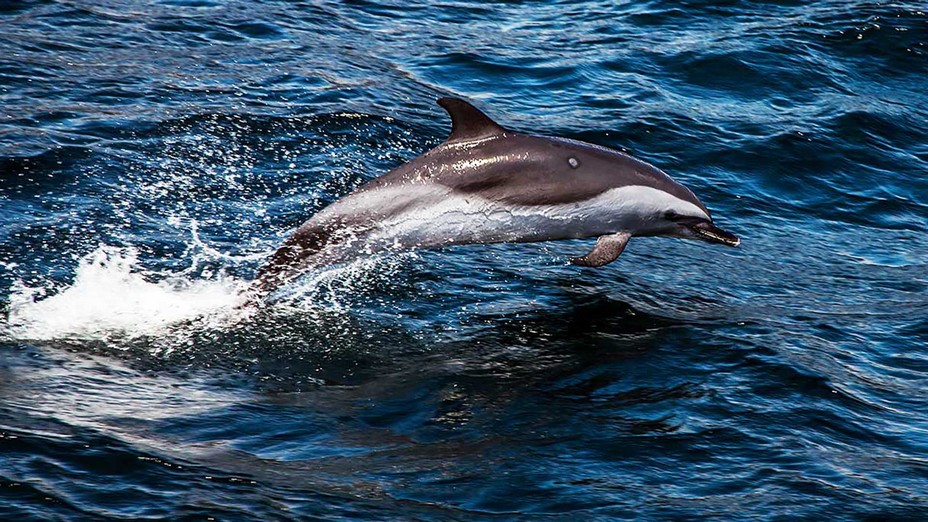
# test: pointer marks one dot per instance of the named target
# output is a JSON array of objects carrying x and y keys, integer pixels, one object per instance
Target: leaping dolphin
[{"x": 488, "y": 184}]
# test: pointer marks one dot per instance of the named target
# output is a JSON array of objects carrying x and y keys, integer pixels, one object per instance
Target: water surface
[{"x": 153, "y": 153}]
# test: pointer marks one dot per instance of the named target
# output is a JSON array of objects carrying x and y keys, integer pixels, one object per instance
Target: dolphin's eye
[
  {"x": 671, "y": 215},
  {"x": 573, "y": 162}
]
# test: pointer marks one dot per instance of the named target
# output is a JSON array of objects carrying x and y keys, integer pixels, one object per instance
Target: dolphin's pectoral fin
[{"x": 607, "y": 249}]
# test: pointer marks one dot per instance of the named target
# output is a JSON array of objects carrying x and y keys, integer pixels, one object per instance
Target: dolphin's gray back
[{"x": 518, "y": 169}]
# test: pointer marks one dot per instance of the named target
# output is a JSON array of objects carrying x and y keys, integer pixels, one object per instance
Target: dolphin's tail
[
  {"x": 313, "y": 245},
  {"x": 289, "y": 260},
  {"x": 279, "y": 268}
]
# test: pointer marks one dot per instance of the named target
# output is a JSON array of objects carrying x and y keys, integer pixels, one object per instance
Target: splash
[
  {"x": 111, "y": 297},
  {"x": 334, "y": 288}
]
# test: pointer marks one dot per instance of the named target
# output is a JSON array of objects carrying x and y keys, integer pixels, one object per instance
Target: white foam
[{"x": 111, "y": 296}]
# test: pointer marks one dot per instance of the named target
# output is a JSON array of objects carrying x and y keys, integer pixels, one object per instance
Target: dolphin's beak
[{"x": 706, "y": 231}]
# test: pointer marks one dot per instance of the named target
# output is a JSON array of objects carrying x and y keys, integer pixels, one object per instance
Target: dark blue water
[{"x": 152, "y": 153}]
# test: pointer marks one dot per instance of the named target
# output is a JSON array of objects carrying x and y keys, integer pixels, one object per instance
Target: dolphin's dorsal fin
[{"x": 467, "y": 122}]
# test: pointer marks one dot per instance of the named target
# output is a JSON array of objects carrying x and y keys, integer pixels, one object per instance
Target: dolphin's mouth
[{"x": 708, "y": 232}]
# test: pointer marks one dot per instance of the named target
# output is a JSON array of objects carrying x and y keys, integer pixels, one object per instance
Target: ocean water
[{"x": 153, "y": 153}]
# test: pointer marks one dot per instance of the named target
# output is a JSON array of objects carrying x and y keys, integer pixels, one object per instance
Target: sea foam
[{"x": 112, "y": 296}]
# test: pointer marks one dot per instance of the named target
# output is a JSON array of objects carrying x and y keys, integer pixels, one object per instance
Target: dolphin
[{"x": 488, "y": 184}]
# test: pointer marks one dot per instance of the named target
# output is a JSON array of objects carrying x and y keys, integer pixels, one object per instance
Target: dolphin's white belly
[{"x": 427, "y": 215}]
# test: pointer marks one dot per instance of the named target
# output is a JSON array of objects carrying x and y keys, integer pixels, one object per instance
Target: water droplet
[{"x": 573, "y": 162}]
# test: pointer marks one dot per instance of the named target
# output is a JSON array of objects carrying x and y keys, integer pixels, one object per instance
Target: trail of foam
[{"x": 110, "y": 297}]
